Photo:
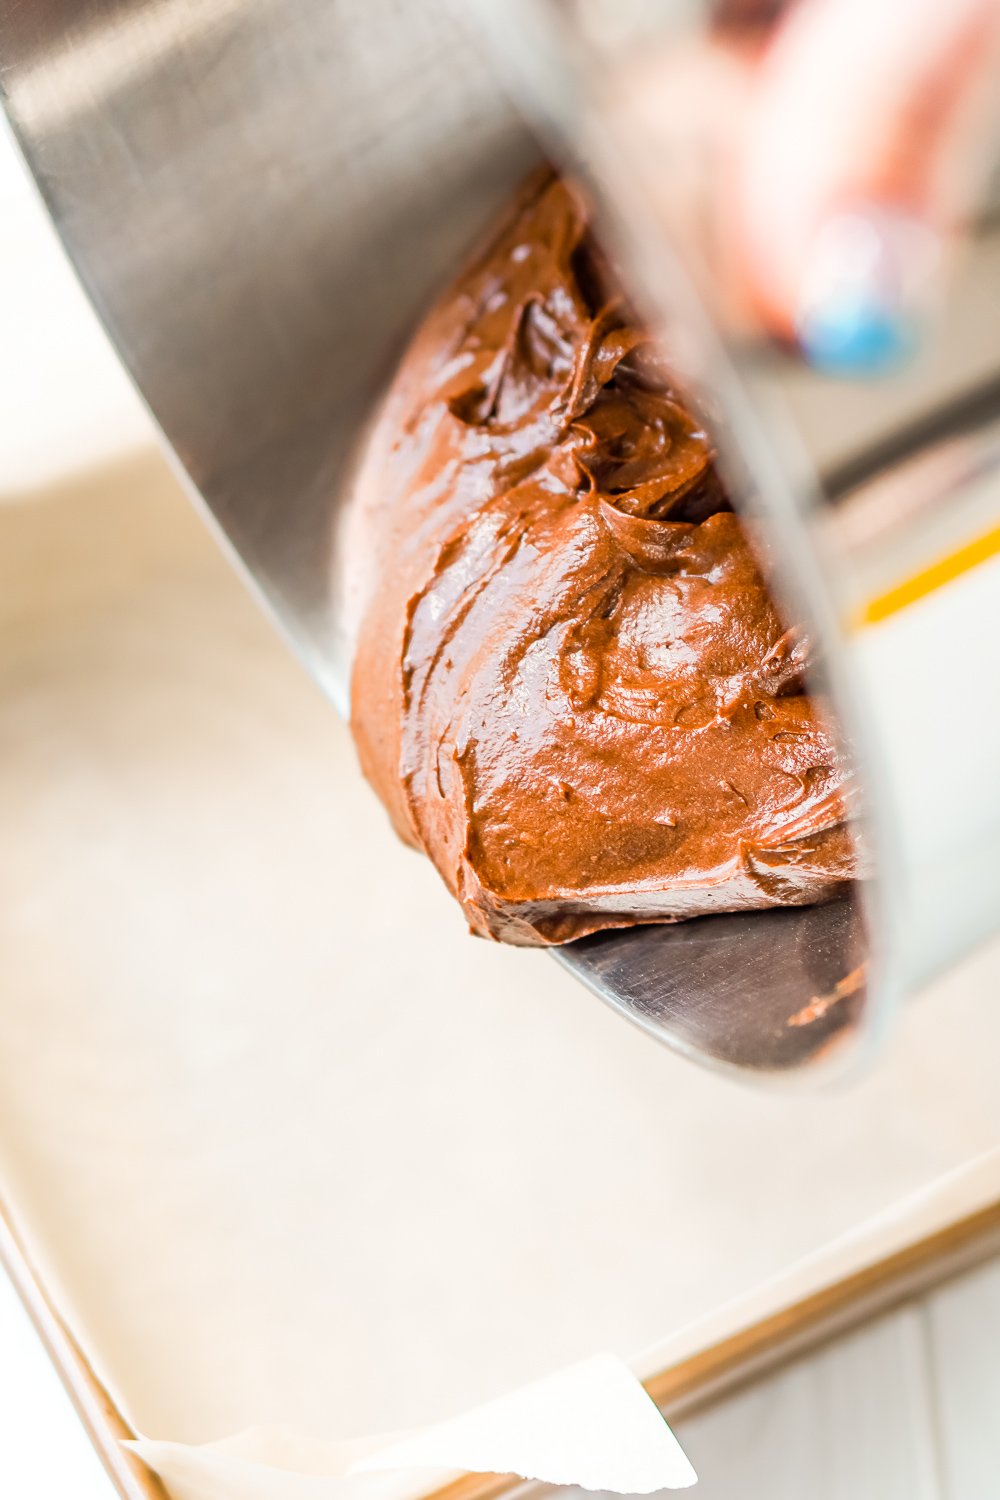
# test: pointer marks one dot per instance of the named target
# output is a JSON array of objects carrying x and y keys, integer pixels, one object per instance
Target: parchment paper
[
  {"x": 589, "y": 1425},
  {"x": 291, "y": 1149}
]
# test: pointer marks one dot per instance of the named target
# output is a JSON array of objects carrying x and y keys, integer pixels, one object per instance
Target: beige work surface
[{"x": 286, "y": 1144}]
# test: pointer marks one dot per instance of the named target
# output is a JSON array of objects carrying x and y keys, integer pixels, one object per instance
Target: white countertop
[{"x": 44, "y": 1451}]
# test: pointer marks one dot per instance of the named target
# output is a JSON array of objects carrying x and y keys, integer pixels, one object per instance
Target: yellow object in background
[{"x": 927, "y": 580}]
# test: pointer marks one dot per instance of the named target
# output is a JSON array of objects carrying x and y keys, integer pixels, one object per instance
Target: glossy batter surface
[{"x": 571, "y": 688}]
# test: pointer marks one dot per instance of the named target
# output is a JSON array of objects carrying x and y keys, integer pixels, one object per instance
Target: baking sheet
[{"x": 289, "y": 1147}]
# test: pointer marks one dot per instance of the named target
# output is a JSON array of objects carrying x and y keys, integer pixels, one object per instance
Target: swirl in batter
[{"x": 571, "y": 687}]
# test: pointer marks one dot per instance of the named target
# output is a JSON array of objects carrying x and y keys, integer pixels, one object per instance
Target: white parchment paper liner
[
  {"x": 284, "y": 1143},
  {"x": 591, "y": 1424}
]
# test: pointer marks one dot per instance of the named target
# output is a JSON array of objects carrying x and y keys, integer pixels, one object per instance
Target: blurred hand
[{"x": 857, "y": 155}]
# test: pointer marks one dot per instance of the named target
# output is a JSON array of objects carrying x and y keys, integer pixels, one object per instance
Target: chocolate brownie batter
[{"x": 571, "y": 688}]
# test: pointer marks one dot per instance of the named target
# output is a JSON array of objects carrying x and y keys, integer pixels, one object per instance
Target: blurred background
[{"x": 66, "y": 402}]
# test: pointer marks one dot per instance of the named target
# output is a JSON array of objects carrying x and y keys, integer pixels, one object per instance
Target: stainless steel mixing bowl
[{"x": 260, "y": 196}]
